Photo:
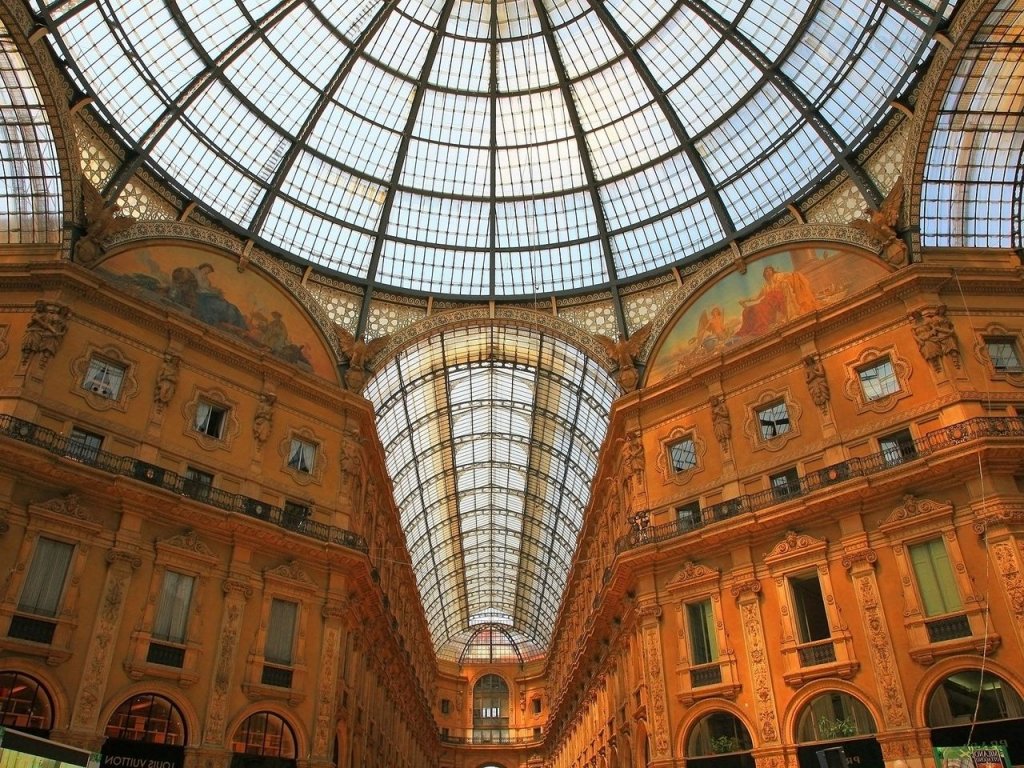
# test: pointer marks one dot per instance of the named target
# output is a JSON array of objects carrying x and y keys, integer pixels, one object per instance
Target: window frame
[
  {"x": 884, "y": 384},
  {"x": 901, "y": 440},
  {"x": 84, "y": 445},
  {"x": 775, "y": 438},
  {"x": 212, "y": 426},
  {"x": 98, "y": 369},
  {"x": 853, "y": 386},
  {"x": 1009, "y": 335},
  {"x": 775, "y": 424},
  {"x": 785, "y": 485},
  {"x": 82, "y": 369}
]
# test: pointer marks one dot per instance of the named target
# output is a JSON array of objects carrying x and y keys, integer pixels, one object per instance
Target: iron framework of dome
[{"x": 494, "y": 148}]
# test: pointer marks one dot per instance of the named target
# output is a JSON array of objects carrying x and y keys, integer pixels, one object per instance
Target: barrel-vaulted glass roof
[
  {"x": 487, "y": 148},
  {"x": 492, "y": 436}
]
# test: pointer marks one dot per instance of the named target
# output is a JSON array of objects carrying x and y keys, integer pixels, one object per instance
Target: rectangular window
[
  {"x": 773, "y": 420},
  {"x": 897, "y": 447},
  {"x": 1002, "y": 351},
  {"x": 446, "y": 706},
  {"x": 44, "y": 584},
  {"x": 197, "y": 483},
  {"x": 688, "y": 515},
  {"x": 210, "y": 418},
  {"x": 878, "y": 380},
  {"x": 682, "y": 455},
  {"x": 104, "y": 378},
  {"x": 84, "y": 446},
  {"x": 700, "y": 623},
  {"x": 935, "y": 580},
  {"x": 536, "y": 707},
  {"x": 172, "y": 607},
  {"x": 281, "y": 632},
  {"x": 301, "y": 455},
  {"x": 785, "y": 484},
  {"x": 811, "y": 618}
]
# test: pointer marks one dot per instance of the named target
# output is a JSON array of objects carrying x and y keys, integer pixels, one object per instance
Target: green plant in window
[
  {"x": 720, "y": 745},
  {"x": 835, "y": 728}
]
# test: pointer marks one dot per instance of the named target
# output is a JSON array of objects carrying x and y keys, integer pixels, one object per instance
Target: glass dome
[{"x": 494, "y": 148}]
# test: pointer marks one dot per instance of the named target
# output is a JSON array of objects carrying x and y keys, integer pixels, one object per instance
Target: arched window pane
[
  {"x": 955, "y": 700},
  {"x": 834, "y": 715},
  {"x": 24, "y": 703},
  {"x": 719, "y": 733},
  {"x": 147, "y": 717},
  {"x": 266, "y": 734}
]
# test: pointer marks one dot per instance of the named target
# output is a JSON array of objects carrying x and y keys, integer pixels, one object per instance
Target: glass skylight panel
[
  {"x": 638, "y": 19},
  {"x": 401, "y": 44},
  {"x": 749, "y": 133},
  {"x": 267, "y": 82},
  {"x": 337, "y": 193},
  {"x": 423, "y": 268},
  {"x": 635, "y": 140},
  {"x": 216, "y": 23},
  {"x": 453, "y": 118},
  {"x": 349, "y": 18},
  {"x": 311, "y": 49},
  {"x": 350, "y": 140},
  {"x": 546, "y": 221},
  {"x": 532, "y": 119},
  {"x": 258, "y": 7},
  {"x": 525, "y": 64},
  {"x": 164, "y": 54},
  {"x": 463, "y": 65},
  {"x": 771, "y": 24},
  {"x": 309, "y": 235},
  {"x": 727, "y": 9},
  {"x": 586, "y": 45},
  {"x": 446, "y": 169},
  {"x": 609, "y": 95},
  {"x": 721, "y": 81},
  {"x": 678, "y": 47},
  {"x": 532, "y": 171},
  {"x": 824, "y": 50},
  {"x": 650, "y": 192},
  {"x": 446, "y": 221},
  {"x": 520, "y": 273}
]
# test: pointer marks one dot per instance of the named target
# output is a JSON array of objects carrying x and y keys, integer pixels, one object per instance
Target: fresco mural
[
  {"x": 209, "y": 288},
  {"x": 774, "y": 290}
]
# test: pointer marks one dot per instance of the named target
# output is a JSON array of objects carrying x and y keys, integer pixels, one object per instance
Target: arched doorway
[
  {"x": 263, "y": 740},
  {"x": 490, "y": 710},
  {"x": 832, "y": 726},
  {"x": 25, "y": 704},
  {"x": 146, "y": 727},
  {"x": 719, "y": 740},
  {"x": 985, "y": 699}
]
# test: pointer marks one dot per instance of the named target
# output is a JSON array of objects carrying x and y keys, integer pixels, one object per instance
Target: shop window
[
  {"x": 170, "y": 627},
  {"x": 719, "y": 733},
  {"x": 682, "y": 454},
  {"x": 878, "y": 380},
  {"x": 302, "y": 456},
  {"x": 265, "y": 734},
  {"x": 210, "y": 419},
  {"x": 956, "y": 699},
  {"x": 83, "y": 445},
  {"x": 42, "y": 591},
  {"x": 688, "y": 515},
  {"x": 25, "y": 704},
  {"x": 147, "y": 717},
  {"x": 773, "y": 420},
  {"x": 104, "y": 378},
  {"x": 834, "y": 715},
  {"x": 1003, "y": 352},
  {"x": 897, "y": 447},
  {"x": 785, "y": 484},
  {"x": 280, "y": 643}
]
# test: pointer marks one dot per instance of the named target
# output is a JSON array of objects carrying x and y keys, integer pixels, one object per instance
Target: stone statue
[
  {"x": 624, "y": 352},
  {"x": 101, "y": 221},
  {"x": 359, "y": 354},
  {"x": 880, "y": 224},
  {"x": 936, "y": 337},
  {"x": 166, "y": 381},
  {"x": 351, "y": 464},
  {"x": 817, "y": 384},
  {"x": 264, "y": 418},
  {"x": 45, "y": 331},
  {"x": 720, "y": 422}
]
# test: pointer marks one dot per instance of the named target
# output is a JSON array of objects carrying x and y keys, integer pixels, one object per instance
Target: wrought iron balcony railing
[
  {"x": 60, "y": 445},
  {"x": 910, "y": 452}
]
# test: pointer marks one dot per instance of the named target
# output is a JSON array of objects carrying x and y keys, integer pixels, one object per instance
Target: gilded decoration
[
  {"x": 98, "y": 391},
  {"x": 740, "y": 306}
]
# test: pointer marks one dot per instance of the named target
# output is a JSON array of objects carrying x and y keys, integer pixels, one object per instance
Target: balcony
[
  {"x": 874, "y": 464},
  {"x": 125, "y": 466},
  {"x": 708, "y": 674},
  {"x": 814, "y": 654},
  {"x": 948, "y": 628}
]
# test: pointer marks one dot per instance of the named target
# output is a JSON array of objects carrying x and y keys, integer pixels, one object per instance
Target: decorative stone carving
[
  {"x": 66, "y": 505},
  {"x": 720, "y": 422},
  {"x": 101, "y": 222},
  {"x": 291, "y": 572},
  {"x": 263, "y": 421},
  {"x": 166, "y": 381},
  {"x": 757, "y": 659},
  {"x": 190, "y": 542},
  {"x": 880, "y": 224},
  {"x": 45, "y": 332},
  {"x": 936, "y": 337},
  {"x": 817, "y": 384},
  {"x": 625, "y": 353},
  {"x": 359, "y": 354}
]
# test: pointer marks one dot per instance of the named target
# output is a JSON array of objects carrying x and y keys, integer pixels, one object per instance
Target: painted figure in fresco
[
  {"x": 783, "y": 296},
  {"x": 712, "y": 329}
]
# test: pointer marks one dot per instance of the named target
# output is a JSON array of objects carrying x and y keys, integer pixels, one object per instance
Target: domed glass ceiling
[{"x": 494, "y": 148}]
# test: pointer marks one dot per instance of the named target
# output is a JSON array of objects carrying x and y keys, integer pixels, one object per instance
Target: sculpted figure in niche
[
  {"x": 817, "y": 384},
  {"x": 351, "y": 465},
  {"x": 166, "y": 381},
  {"x": 45, "y": 332},
  {"x": 264, "y": 418},
  {"x": 936, "y": 337},
  {"x": 720, "y": 421}
]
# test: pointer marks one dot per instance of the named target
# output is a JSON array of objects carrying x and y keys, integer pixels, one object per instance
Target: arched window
[
  {"x": 955, "y": 700},
  {"x": 147, "y": 717},
  {"x": 264, "y": 734},
  {"x": 719, "y": 733},
  {"x": 834, "y": 715},
  {"x": 25, "y": 704},
  {"x": 490, "y": 709}
]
